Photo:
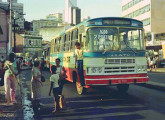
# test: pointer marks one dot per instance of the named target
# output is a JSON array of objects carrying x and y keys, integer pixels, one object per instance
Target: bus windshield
[
  {"x": 100, "y": 39},
  {"x": 109, "y": 39},
  {"x": 131, "y": 39}
]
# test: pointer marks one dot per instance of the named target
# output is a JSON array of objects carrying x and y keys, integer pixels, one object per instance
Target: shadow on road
[{"x": 100, "y": 104}]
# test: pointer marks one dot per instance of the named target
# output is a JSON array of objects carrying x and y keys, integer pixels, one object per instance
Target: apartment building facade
[{"x": 151, "y": 13}]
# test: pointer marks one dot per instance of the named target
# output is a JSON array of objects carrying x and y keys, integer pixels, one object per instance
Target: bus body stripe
[{"x": 108, "y": 54}]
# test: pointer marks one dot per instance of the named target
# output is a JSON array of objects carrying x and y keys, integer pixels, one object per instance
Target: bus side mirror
[{"x": 84, "y": 36}]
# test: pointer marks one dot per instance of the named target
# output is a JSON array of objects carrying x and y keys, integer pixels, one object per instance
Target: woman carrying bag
[
  {"x": 36, "y": 84},
  {"x": 10, "y": 78}
]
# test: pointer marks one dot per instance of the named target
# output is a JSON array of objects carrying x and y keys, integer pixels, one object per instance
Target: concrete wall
[
  {"x": 4, "y": 33},
  {"x": 48, "y": 33},
  {"x": 158, "y": 16},
  {"x": 19, "y": 43}
]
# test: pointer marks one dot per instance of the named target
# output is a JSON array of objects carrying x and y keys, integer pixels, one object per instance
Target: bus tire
[
  {"x": 80, "y": 90},
  {"x": 123, "y": 88}
]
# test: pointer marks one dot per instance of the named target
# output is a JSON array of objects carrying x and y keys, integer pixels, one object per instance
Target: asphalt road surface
[{"x": 103, "y": 103}]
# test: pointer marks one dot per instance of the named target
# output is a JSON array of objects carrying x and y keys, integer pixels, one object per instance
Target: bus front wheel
[
  {"x": 123, "y": 88},
  {"x": 81, "y": 90}
]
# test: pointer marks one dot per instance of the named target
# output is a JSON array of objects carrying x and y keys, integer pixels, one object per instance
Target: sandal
[{"x": 55, "y": 111}]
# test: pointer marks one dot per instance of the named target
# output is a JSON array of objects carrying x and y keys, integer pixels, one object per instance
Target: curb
[
  {"x": 28, "y": 112},
  {"x": 157, "y": 71},
  {"x": 154, "y": 85}
]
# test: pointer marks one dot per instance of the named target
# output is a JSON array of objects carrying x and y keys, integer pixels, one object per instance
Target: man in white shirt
[{"x": 79, "y": 61}]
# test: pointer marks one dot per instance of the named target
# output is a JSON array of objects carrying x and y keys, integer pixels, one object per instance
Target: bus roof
[{"x": 107, "y": 21}]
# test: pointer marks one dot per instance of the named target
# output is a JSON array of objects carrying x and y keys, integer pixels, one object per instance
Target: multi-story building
[
  {"x": 4, "y": 32},
  {"x": 72, "y": 14},
  {"x": 32, "y": 45},
  {"x": 17, "y": 8},
  {"x": 75, "y": 17},
  {"x": 151, "y": 13},
  {"x": 56, "y": 17},
  {"x": 37, "y": 24},
  {"x": 48, "y": 33}
]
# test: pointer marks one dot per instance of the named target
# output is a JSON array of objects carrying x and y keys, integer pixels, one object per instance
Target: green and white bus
[{"x": 114, "y": 52}]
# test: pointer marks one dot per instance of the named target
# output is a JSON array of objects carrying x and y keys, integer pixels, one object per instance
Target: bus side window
[
  {"x": 76, "y": 34},
  {"x": 59, "y": 45},
  {"x": 55, "y": 45},
  {"x": 64, "y": 48},
  {"x": 71, "y": 41},
  {"x": 67, "y": 41},
  {"x": 75, "y": 38},
  {"x": 80, "y": 38},
  {"x": 62, "y": 43}
]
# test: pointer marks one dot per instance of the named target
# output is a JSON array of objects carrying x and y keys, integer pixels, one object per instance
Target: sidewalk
[
  {"x": 11, "y": 112},
  {"x": 158, "y": 70}
]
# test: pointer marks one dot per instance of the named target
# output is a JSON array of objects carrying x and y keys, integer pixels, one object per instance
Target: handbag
[
  {"x": 62, "y": 102},
  {"x": 63, "y": 76},
  {"x": 1, "y": 77},
  {"x": 2, "y": 81},
  {"x": 42, "y": 78}
]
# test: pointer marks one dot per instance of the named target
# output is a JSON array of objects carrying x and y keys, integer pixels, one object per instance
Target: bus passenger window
[
  {"x": 67, "y": 42},
  {"x": 71, "y": 44},
  {"x": 62, "y": 44},
  {"x": 59, "y": 44},
  {"x": 55, "y": 45},
  {"x": 64, "y": 48}
]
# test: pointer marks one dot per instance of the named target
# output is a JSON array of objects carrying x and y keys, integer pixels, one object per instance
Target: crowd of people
[
  {"x": 12, "y": 68},
  {"x": 152, "y": 62}
]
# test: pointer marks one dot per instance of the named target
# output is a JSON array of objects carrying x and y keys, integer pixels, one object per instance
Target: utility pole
[
  {"x": 14, "y": 37},
  {"x": 10, "y": 29}
]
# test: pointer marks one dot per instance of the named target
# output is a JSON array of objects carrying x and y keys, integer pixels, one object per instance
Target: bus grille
[
  {"x": 119, "y": 61},
  {"x": 124, "y": 69}
]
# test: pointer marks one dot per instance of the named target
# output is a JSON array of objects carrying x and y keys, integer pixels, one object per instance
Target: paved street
[{"x": 141, "y": 103}]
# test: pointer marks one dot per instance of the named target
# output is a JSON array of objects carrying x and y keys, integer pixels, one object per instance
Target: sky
[{"x": 39, "y": 9}]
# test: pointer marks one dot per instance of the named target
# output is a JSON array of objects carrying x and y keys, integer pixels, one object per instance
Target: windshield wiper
[
  {"x": 129, "y": 47},
  {"x": 105, "y": 50}
]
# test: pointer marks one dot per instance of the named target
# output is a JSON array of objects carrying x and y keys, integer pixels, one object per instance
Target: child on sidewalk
[{"x": 56, "y": 89}]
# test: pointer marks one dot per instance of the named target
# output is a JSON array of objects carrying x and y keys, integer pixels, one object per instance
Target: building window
[
  {"x": 146, "y": 22},
  {"x": 139, "y": 11},
  {"x": 30, "y": 42},
  {"x": 130, "y": 4}
]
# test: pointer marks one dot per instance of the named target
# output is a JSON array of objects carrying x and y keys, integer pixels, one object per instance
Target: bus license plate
[{"x": 122, "y": 81}]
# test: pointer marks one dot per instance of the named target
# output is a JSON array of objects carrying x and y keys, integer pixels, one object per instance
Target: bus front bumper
[{"x": 115, "y": 80}]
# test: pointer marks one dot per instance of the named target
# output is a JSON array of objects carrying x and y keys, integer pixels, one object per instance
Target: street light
[
  {"x": 16, "y": 16},
  {"x": 10, "y": 29}
]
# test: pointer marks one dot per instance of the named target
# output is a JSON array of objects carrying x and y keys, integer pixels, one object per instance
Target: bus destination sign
[{"x": 116, "y": 22}]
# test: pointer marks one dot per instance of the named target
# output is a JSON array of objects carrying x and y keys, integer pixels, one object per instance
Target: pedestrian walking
[
  {"x": 36, "y": 84},
  {"x": 9, "y": 79},
  {"x": 62, "y": 73},
  {"x": 79, "y": 62},
  {"x": 155, "y": 62},
  {"x": 56, "y": 89}
]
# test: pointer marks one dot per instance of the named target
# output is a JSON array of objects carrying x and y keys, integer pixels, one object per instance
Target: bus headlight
[
  {"x": 141, "y": 68},
  {"x": 94, "y": 70},
  {"x": 99, "y": 69}
]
